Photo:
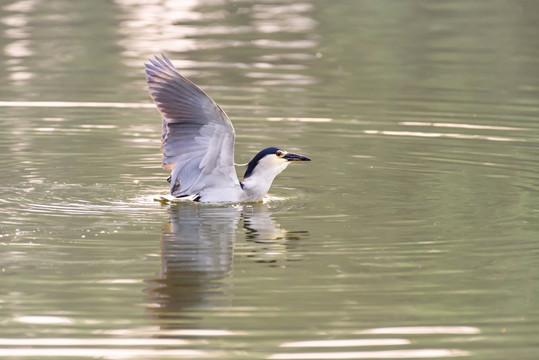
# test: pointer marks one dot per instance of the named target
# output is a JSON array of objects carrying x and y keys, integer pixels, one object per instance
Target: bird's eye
[{"x": 279, "y": 153}]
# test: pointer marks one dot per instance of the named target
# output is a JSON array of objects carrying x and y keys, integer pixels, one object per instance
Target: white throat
[{"x": 257, "y": 185}]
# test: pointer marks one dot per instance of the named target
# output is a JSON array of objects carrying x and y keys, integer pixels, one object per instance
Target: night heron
[{"x": 198, "y": 143}]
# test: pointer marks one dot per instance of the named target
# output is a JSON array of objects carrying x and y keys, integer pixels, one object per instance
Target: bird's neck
[{"x": 256, "y": 186}]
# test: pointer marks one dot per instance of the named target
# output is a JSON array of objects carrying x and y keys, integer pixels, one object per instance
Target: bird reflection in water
[
  {"x": 197, "y": 251},
  {"x": 269, "y": 242}
]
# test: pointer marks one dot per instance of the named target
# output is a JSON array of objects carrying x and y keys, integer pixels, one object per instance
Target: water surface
[{"x": 411, "y": 234}]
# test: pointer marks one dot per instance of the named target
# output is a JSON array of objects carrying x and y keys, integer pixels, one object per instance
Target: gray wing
[{"x": 197, "y": 138}]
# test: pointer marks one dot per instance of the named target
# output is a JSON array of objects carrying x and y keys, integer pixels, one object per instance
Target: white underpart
[{"x": 255, "y": 187}]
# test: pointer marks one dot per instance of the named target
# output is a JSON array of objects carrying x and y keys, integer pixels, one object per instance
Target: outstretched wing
[{"x": 197, "y": 138}]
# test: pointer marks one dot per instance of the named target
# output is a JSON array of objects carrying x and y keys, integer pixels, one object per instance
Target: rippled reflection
[
  {"x": 331, "y": 349},
  {"x": 197, "y": 252},
  {"x": 180, "y": 25},
  {"x": 188, "y": 27},
  {"x": 385, "y": 354},
  {"x": 17, "y": 30},
  {"x": 410, "y": 330}
]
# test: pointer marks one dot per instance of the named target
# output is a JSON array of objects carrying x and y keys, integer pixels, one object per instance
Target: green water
[{"x": 412, "y": 233}]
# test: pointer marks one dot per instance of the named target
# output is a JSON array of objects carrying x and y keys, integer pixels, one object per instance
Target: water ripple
[{"x": 384, "y": 354}]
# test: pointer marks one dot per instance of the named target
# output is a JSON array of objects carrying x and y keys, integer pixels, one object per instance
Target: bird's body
[{"x": 198, "y": 143}]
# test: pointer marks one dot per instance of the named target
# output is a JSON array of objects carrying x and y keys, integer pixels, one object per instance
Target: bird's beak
[{"x": 295, "y": 157}]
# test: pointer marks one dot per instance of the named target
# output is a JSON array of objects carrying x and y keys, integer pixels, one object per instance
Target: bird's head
[{"x": 270, "y": 162}]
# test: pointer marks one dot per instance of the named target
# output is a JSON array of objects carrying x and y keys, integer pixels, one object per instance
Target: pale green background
[{"x": 413, "y": 231}]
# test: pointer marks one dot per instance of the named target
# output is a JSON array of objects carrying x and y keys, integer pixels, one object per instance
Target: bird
[{"x": 197, "y": 143}]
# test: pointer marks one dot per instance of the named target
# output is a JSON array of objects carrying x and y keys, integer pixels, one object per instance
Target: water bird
[{"x": 198, "y": 143}]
